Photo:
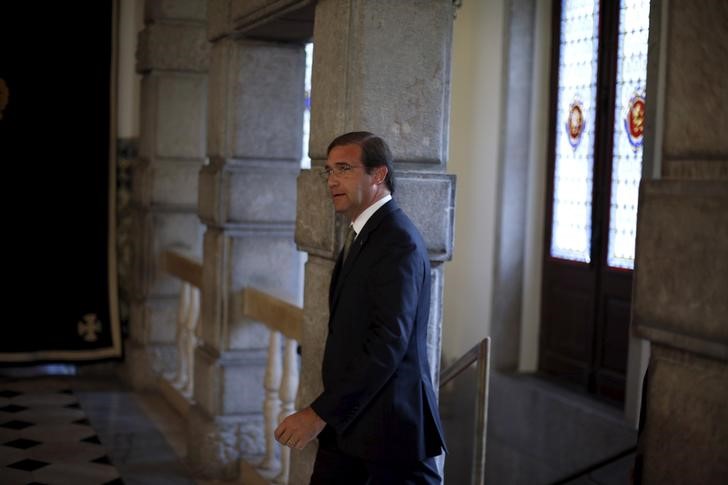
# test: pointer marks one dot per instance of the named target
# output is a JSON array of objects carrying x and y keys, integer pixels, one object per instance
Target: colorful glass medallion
[
  {"x": 575, "y": 122},
  {"x": 634, "y": 120}
]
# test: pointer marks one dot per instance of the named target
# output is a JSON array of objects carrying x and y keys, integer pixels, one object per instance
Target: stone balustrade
[
  {"x": 177, "y": 385},
  {"x": 285, "y": 324}
]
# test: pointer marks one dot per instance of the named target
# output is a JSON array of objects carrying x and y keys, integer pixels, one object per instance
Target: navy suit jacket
[{"x": 378, "y": 397}]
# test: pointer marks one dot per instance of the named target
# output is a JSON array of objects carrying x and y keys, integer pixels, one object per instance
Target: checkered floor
[{"x": 45, "y": 437}]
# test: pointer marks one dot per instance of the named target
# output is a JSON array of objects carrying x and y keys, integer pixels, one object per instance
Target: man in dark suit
[{"x": 377, "y": 416}]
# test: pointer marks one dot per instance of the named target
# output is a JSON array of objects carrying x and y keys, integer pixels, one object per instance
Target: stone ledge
[
  {"x": 697, "y": 346},
  {"x": 680, "y": 285}
]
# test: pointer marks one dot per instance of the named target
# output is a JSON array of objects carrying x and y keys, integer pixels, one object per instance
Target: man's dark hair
[{"x": 374, "y": 152}]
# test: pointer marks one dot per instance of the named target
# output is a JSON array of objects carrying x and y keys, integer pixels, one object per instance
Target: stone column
[
  {"x": 680, "y": 284},
  {"x": 247, "y": 201},
  {"x": 173, "y": 59},
  {"x": 513, "y": 188},
  {"x": 383, "y": 67}
]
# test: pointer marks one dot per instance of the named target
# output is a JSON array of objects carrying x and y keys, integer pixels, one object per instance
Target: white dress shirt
[{"x": 360, "y": 221}]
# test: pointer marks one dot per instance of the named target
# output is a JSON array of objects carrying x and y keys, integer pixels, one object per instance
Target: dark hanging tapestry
[{"x": 56, "y": 63}]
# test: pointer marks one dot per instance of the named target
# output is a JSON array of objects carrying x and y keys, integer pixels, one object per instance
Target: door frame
[{"x": 639, "y": 349}]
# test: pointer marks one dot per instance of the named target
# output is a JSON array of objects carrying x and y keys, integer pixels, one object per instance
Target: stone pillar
[
  {"x": 247, "y": 201},
  {"x": 173, "y": 59},
  {"x": 513, "y": 188},
  {"x": 681, "y": 264},
  {"x": 383, "y": 67}
]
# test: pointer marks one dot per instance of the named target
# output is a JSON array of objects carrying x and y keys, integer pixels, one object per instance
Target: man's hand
[{"x": 298, "y": 429}]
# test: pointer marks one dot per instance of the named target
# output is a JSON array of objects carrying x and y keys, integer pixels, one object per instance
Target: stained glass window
[
  {"x": 305, "y": 161},
  {"x": 629, "y": 113},
  {"x": 575, "y": 121}
]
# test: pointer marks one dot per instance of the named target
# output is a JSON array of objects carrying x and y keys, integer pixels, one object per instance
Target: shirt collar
[{"x": 360, "y": 221}]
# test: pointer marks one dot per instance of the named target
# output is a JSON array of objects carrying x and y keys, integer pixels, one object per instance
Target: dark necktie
[{"x": 350, "y": 235}]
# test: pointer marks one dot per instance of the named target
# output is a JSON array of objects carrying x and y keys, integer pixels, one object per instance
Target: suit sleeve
[{"x": 393, "y": 291}]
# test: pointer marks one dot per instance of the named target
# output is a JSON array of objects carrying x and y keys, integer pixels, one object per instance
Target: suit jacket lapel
[{"x": 343, "y": 268}]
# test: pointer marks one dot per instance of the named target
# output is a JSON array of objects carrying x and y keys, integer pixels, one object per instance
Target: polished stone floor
[
  {"x": 45, "y": 437},
  {"x": 543, "y": 433},
  {"x": 71, "y": 430},
  {"x": 538, "y": 434},
  {"x": 93, "y": 430}
]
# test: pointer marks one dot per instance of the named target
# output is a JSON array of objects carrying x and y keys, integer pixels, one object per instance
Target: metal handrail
[{"x": 480, "y": 353}]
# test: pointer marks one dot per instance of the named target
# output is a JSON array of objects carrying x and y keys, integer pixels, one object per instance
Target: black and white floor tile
[{"x": 45, "y": 437}]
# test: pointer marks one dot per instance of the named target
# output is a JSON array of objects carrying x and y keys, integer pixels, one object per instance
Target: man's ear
[{"x": 381, "y": 174}]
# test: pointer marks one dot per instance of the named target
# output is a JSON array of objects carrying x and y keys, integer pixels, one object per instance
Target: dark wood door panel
[
  {"x": 614, "y": 334},
  {"x": 608, "y": 384},
  {"x": 567, "y": 330},
  {"x": 565, "y": 311}
]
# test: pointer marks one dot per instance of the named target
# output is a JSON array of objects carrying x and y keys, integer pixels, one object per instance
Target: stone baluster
[
  {"x": 188, "y": 318},
  {"x": 182, "y": 371},
  {"x": 289, "y": 387},
  {"x": 272, "y": 404},
  {"x": 190, "y": 340}
]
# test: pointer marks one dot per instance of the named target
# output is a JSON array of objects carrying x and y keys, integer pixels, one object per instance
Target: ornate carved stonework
[{"x": 215, "y": 443}]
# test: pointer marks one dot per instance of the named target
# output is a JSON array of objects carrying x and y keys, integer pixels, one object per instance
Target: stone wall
[
  {"x": 681, "y": 264},
  {"x": 173, "y": 59}
]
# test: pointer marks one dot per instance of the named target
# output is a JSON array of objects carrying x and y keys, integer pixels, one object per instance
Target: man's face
[{"x": 354, "y": 190}]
